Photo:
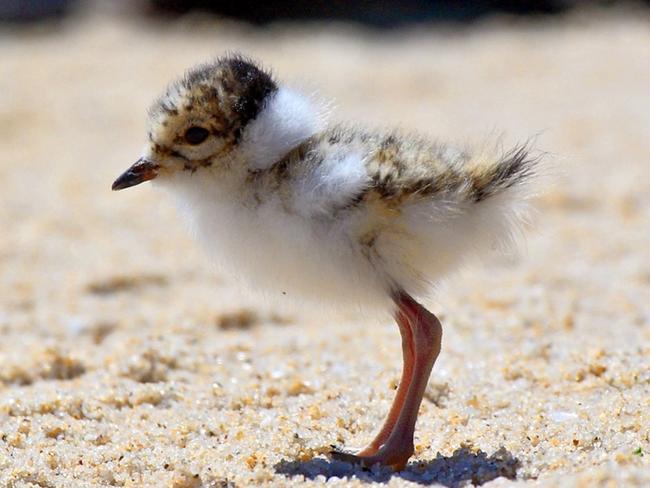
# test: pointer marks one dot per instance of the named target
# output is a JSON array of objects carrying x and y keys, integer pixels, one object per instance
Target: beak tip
[
  {"x": 120, "y": 183},
  {"x": 139, "y": 172}
]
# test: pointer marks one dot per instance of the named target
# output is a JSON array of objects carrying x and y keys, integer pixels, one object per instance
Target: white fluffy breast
[{"x": 279, "y": 252}]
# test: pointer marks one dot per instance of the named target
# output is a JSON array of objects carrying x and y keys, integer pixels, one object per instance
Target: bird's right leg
[
  {"x": 408, "y": 358},
  {"x": 402, "y": 389},
  {"x": 425, "y": 338}
]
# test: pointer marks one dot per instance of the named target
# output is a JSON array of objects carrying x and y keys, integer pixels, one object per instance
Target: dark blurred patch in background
[
  {"x": 32, "y": 10},
  {"x": 380, "y": 13},
  {"x": 377, "y": 13}
]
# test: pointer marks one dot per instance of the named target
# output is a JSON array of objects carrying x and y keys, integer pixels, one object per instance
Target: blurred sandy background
[{"x": 125, "y": 360}]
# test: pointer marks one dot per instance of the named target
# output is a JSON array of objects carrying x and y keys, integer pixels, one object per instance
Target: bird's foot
[{"x": 395, "y": 457}]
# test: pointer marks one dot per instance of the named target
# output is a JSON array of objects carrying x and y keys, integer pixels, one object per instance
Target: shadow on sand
[{"x": 462, "y": 466}]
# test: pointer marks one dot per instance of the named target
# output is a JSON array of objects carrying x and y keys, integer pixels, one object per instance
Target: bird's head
[{"x": 200, "y": 120}]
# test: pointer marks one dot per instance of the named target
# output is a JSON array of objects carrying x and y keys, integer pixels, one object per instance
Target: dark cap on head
[{"x": 233, "y": 89}]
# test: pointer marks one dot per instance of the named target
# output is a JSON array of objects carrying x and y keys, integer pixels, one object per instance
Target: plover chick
[{"x": 333, "y": 213}]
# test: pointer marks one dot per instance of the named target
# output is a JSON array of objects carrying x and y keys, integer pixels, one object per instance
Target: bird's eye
[{"x": 196, "y": 135}]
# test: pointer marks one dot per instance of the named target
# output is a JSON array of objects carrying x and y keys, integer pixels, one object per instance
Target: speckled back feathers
[{"x": 406, "y": 168}]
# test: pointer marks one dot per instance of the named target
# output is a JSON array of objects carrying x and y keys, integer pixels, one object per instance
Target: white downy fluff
[
  {"x": 305, "y": 255},
  {"x": 288, "y": 119}
]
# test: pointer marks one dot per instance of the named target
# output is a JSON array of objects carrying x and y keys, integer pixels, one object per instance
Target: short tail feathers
[{"x": 489, "y": 177}]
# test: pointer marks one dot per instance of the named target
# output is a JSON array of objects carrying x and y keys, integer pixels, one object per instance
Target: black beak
[{"x": 142, "y": 170}]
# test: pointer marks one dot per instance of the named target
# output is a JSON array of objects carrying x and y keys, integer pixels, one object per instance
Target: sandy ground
[{"x": 125, "y": 360}]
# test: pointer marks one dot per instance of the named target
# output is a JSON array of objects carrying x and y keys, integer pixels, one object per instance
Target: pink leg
[
  {"x": 408, "y": 357},
  {"x": 396, "y": 436}
]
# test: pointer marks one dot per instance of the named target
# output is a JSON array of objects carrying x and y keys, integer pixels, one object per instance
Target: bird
[{"x": 331, "y": 212}]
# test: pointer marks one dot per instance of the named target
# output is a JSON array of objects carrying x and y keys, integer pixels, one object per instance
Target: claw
[{"x": 346, "y": 456}]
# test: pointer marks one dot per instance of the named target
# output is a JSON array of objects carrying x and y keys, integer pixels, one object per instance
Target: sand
[{"x": 127, "y": 360}]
